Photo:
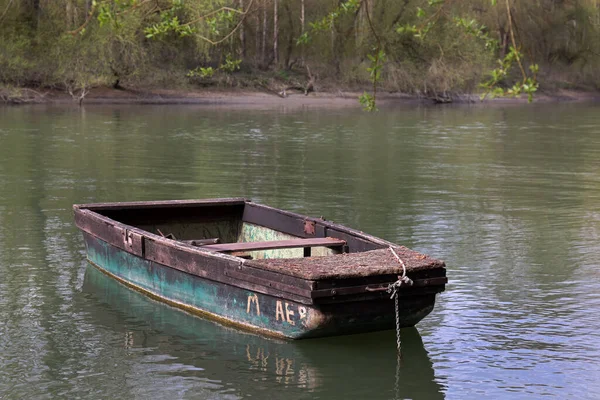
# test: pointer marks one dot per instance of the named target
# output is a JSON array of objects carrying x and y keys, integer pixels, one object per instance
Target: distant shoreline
[{"x": 259, "y": 99}]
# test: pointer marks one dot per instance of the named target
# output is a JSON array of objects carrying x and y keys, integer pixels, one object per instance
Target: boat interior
[
  {"x": 270, "y": 239},
  {"x": 240, "y": 228}
]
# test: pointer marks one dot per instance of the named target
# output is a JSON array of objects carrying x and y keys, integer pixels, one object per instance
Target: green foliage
[
  {"x": 230, "y": 65},
  {"x": 480, "y": 31},
  {"x": 303, "y": 39},
  {"x": 201, "y": 72},
  {"x": 377, "y": 61},
  {"x": 327, "y": 22},
  {"x": 427, "y": 20},
  {"x": 169, "y": 23},
  {"x": 368, "y": 102},
  {"x": 222, "y": 21},
  {"x": 528, "y": 85},
  {"x": 109, "y": 11},
  {"x": 407, "y": 29}
]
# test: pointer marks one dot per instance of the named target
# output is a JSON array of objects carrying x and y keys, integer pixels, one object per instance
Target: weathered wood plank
[
  {"x": 267, "y": 283},
  {"x": 224, "y": 269},
  {"x": 276, "y": 276},
  {"x": 169, "y": 215},
  {"x": 340, "y": 267},
  {"x": 160, "y": 204},
  {"x": 275, "y": 244},
  {"x": 286, "y": 222},
  {"x": 343, "y": 291},
  {"x": 355, "y": 245},
  {"x": 437, "y": 271},
  {"x": 94, "y": 224},
  {"x": 190, "y": 261}
]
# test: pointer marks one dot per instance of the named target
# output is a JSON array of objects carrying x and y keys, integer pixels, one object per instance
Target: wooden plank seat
[{"x": 277, "y": 244}]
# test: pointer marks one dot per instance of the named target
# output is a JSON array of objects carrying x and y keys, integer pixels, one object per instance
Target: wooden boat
[{"x": 260, "y": 268}]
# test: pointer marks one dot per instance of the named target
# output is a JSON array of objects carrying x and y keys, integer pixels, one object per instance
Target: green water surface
[{"x": 508, "y": 197}]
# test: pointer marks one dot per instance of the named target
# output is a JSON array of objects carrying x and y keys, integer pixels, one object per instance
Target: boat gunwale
[{"x": 118, "y": 205}]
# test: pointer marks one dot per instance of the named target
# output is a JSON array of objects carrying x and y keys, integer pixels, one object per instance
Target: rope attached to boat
[
  {"x": 402, "y": 278},
  {"x": 393, "y": 289}
]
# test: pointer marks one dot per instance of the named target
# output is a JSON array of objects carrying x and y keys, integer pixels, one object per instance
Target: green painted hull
[{"x": 245, "y": 308}]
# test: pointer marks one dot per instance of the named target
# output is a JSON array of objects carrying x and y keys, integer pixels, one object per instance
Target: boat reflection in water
[{"x": 239, "y": 364}]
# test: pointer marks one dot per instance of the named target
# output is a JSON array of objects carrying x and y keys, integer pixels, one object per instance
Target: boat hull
[{"x": 248, "y": 309}]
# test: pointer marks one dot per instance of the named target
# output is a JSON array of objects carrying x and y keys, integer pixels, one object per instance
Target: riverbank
[{"x": 256, "y": 98}]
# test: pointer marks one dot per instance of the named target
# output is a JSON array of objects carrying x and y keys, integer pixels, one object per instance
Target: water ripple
[{"x": 507, "y": 196}]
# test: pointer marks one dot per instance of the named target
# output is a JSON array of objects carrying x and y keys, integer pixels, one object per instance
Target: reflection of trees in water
[
  {"x": 336, "y": 367},
  {"x": 37, "y": 261}
]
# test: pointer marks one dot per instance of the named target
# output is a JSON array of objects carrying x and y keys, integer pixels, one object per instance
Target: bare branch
[
  {"x": 218, "y": 11},
  {"x": 91, "y": 14},
  {"x": 86, "y": 22},
  {"x": 234, "y": 30},
  {"x": 366, "y": 2},
  {"x": 512, "y": 38},
  {"x": 6, "y": 10}
]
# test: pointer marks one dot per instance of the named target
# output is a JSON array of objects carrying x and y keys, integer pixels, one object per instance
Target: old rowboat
[{"x": 260, "y": 268}]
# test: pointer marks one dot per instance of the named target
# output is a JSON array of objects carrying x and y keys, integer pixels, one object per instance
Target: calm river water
[{"x": 508, "y": 197}]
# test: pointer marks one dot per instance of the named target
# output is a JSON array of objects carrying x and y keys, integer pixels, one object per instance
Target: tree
[{"x": 434, "y": 48}]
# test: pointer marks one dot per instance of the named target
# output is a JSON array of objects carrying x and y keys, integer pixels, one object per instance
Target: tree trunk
[
  {"x": 334, "y": 45},
  {"x": 70, "y": 14},
  {"x": 302, "y": 28},
  {"x": 302, "y": 14},
  {"x": 35, "y": 15},
  {"x": 291, "y": 34},
  {"x": 257, "y": 38},
  {"x": 242, "y": 35},
  {"x": 275, "y": 33},
  {"x": 264, "y": 34},
  {"x": 362, "y": 24}
]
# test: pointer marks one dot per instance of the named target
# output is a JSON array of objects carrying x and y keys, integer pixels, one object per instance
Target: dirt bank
[{"x": 251, "y": 99}]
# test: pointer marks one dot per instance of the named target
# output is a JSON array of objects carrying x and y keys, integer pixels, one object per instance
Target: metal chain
[
  {"x": 393, "y": 289},
  {"x": 397, "y": 380},
  {"x": 397, "y": 323}
]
